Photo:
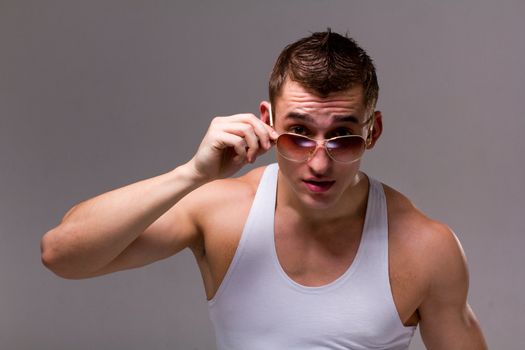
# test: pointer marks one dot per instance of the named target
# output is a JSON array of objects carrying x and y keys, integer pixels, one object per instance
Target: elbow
[
  {"x": 48, "y": 255},
  {"x": 52, "y": 259}
]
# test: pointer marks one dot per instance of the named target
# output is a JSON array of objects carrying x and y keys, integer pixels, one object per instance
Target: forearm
[{"x": 96, "y": 231}]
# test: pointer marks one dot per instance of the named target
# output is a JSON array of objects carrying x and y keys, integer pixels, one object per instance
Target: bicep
[
  {"x": 447, "y": 321},
  {"x": 456, "y": 329}
]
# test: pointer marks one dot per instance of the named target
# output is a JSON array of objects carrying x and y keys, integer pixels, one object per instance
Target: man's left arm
[{"x": 446, "y": 320}]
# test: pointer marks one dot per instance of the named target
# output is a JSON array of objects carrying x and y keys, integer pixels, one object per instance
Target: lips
[{"x": 318, "y": 186}]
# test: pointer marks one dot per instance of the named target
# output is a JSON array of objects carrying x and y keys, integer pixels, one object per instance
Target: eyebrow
[{"x": 308, "y": 118}]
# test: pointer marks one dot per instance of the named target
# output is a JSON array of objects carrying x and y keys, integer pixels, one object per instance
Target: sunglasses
[{"x": 299, "y": 148}]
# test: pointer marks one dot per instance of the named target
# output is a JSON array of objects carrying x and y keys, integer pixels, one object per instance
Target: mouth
[{"x": 318, "y": 186}]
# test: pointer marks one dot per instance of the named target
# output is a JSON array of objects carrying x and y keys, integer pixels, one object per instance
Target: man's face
[{"x": 319, "y": 182}]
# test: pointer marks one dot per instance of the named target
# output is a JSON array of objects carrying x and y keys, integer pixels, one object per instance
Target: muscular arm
[
  {"x": 124, "y": 228},
  {"x": 447, "y": 321}
]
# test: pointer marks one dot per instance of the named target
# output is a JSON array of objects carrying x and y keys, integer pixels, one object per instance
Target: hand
[{"x": 229, "y": 144}]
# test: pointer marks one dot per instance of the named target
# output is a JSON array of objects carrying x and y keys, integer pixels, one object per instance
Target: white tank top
[{"x": 259, "y": 307}]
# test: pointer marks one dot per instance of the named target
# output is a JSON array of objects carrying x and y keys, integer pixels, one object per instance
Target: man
[{"x": 308, "y": 254}]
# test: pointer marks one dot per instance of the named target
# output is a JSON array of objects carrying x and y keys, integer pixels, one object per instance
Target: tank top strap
[
  {"x": 262, "y": 212},
  {"x": 376, "y": 222},
  {"x": 374, "y": 242}
]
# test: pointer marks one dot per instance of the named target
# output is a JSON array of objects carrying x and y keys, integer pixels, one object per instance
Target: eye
[
  {"x": 341, "y": 132},
  {"x": 298, "y": 129}
]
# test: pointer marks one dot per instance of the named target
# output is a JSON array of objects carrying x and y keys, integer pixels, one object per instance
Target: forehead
[{"x": 294, "y": 98}]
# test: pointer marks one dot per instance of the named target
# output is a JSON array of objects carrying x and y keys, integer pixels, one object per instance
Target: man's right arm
[
  {"x": 124, "y": 228},
  {"x": 146, "y": 221}
]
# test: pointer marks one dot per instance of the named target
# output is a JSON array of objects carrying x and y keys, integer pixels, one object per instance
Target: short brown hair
[{"x": 325, "y": 62}]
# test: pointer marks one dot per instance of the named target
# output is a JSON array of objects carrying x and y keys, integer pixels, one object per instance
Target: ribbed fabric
[{"x": 258, "y": 307}]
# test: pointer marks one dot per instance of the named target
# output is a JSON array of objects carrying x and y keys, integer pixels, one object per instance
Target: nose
[{"x": 319, "y": 161}]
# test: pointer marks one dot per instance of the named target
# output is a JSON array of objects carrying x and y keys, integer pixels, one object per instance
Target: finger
[
  {"x": 271, "y": 131},
  {"x": 252, "y": 141},
  {"x": 247, "y": 132},
  {"x": 225, "y": 140},
  {"x": 237, "y": 124},
  {"x": 264, "y": 132}
]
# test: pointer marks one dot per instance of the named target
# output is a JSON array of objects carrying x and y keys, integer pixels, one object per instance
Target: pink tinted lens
[
  {"x": 295, "y": 147},
  {"x": 347, "y": 148}
]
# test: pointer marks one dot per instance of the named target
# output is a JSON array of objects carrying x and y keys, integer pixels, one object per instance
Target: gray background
[{"x": 98, "y": 94}]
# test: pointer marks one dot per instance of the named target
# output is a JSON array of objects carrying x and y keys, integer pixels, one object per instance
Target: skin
[{"x": 185, "y": 208}]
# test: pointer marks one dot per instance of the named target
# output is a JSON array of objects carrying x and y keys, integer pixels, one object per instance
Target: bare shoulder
[
  {"x": 221, "y": 195},
  {"x": 414, "y": 229},
  {"x": 222, "y": 205},
  {"x": 422, "y": 248}
]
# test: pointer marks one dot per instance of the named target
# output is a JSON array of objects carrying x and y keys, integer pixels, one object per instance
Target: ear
[
  {"x": 265, "y": 108},
  {"x": 376, "y": 130}
]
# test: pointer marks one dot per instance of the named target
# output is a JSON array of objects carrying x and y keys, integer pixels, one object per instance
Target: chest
[{"x": 315, "y": 256}]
